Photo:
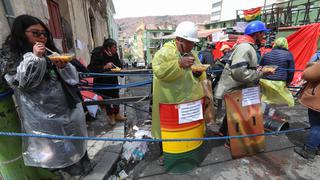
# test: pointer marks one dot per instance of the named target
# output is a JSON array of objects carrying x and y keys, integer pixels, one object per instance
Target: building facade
[
  {"x": 77, "y": 25},
  {"x": 139, "y": 46},
  {"x": 225, "y": 10},
  {"x": 216, "y": 10},
  {"x": 113, "y": 27},
  {"x": 147, "y": 40}
]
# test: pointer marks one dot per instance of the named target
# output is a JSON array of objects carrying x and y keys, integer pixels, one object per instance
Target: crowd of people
[
  {"x": 48, "y": 100},
  {"x": 242, "y": 66}
]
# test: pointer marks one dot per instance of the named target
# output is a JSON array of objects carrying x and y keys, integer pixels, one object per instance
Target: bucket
[
  {"x": 182, "y": 129},
  {"x": 11, "y": 162},
  {"x": 169, "y": 117},
  {"x": 183, "y": 162},
  {"x": 175, "y": 147},
  {"x": 275, "y": 124}
]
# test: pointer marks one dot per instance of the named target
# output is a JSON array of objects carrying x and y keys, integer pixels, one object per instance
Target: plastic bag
[{"x": 276, "y": 92}]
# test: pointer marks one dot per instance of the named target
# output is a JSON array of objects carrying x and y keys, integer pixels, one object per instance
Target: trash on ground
[
  {"x": 113, "y": 177},
  {"x": 245, "y": 161},
  {"x": 135, "y": 128},
  {"x": 123, "y": 174},
  {"x": 134, "y": 150}
]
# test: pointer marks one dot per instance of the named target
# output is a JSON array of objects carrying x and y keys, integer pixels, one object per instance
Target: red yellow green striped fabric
[{"x": 252, "y": 14}]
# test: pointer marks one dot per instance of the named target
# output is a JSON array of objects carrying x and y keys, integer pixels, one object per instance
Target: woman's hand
[
  {"x": 59, "y": 63},
  {"x": 109, "y": 65},
  {"x": 39, "y": 49}
]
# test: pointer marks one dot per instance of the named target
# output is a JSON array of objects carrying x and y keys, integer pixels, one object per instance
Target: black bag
[{"x": 72, "y": 92}]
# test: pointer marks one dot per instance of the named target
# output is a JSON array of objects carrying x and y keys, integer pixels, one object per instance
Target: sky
[{"x": 138, "y": 8}]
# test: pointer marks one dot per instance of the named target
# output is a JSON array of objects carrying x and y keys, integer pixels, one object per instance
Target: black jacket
[{"x": 98, "y": 60}]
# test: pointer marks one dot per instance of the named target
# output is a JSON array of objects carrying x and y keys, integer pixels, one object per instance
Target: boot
[
  {"x": 111, "y": 118},
  {"x": 305, "y": 152},
  {"x": 118, "y": 117}
]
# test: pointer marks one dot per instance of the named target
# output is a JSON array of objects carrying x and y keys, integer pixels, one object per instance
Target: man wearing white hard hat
[{"x": 173, "y": 80}]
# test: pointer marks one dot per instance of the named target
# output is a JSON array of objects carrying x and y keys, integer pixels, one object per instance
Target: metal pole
[
  {"x": 8, "y": 11},
  {"x": 264, "y": 5}
]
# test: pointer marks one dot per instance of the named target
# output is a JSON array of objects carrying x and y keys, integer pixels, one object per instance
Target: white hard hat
[{"x": 187, "y": 30}]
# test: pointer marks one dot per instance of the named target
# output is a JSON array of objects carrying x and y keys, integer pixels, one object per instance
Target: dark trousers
[
  {"x": 313, "y": 140},
  {"x": 112, "y": 109},
  {"x": 224, "y": 126},
  {"x": 109, "y": 94}
]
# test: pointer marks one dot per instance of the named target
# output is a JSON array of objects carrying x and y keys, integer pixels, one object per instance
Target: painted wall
[
  {"x": 112, "y": 25},
  {"x": 76, "y": 15},
  {"x": 4, "y": 26},
  {"x": 84, "y": 40},
  {"x": 36, "y": 8}
]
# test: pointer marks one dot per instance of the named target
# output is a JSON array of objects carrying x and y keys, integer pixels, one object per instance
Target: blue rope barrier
[
  {"x": 6, "y": 93},
  {"x": 295, "y": 87},
  {"x": 135, "y": 84},
  {"x": 85, "y": 75},
  {"x": 147, "y": 140},
  {"x": 285, "y": 69}
]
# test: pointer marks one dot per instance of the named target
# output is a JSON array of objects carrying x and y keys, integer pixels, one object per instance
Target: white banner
[
  {"x": 250, "y": 96},
  {"x": 189, "y": 112}
]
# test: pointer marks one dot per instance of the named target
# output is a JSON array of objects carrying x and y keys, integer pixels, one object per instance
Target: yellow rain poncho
[
  {"x": 172, "y": 84},
  {"x": 276, "y": 92}
]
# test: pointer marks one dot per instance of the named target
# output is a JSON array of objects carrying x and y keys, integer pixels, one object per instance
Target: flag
[{"x": 252, "y": 14}]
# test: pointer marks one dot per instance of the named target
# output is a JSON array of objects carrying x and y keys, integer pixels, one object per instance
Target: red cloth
[
  {"x": 217, "y": 53},
  {"x": 252, "y": 11},
  {"x": 264, "y": 50},
  {"x": 87, "y": 94},
  {"x": 303, "y": 44},
  {"x": 245, "y": 38}
]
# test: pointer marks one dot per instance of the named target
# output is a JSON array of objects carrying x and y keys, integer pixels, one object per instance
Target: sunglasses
[{"x": 39, "y": 33}]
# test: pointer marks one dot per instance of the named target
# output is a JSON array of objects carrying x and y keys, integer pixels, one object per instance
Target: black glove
[{"x": 196, "y": 73}]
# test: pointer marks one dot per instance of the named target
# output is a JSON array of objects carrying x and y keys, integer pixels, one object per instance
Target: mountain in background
[{"x": 129, "y": 25}]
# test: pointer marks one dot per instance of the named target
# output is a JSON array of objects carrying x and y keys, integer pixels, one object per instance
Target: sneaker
[{"x": 305, "y": 152}]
